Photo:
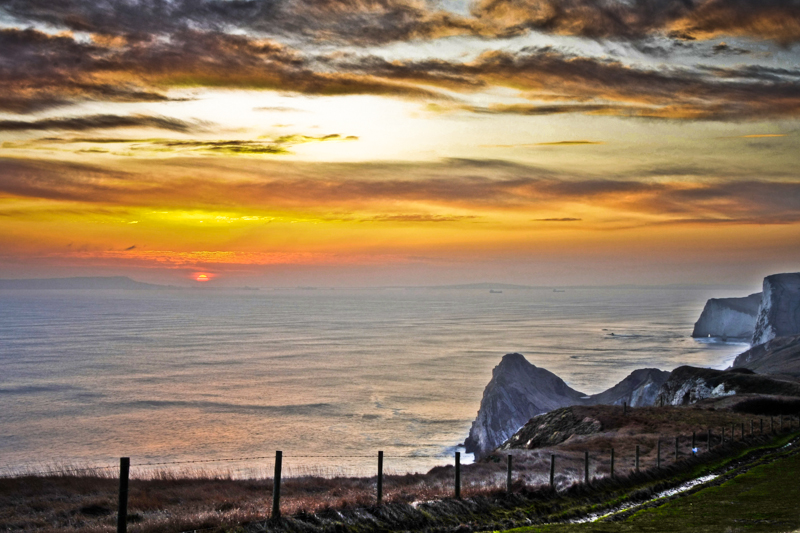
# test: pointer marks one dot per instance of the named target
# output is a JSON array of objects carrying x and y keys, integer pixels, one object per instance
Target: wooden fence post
[
  {"x": 276, "y": 486},
  {"x": 586, "y": 467},
  {"x": 694, "y": 445},
  {"x": 658, "y": 454},
  {"x": 122, "y": 509},
  {"x": 508, "y": 475},
  {"x": 458, "y": 475},
  {"x": 637, "y": 458},
  {"x": 380, "y": 477},
  {"x": 552, "y": 470},
  {"x": 624, "y": 408},
  {"x": 612, "y": 463},
  {"x": 708, "y": 444}
]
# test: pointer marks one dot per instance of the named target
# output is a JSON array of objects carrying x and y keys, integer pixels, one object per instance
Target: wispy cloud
[
  {"x": 467, "y": 188},
  {"x": 569, "y": 143},
  {"x": 96, "y": 122},
  {"x": 129, "y": 146},
  {"x": 532, "y": 145}
]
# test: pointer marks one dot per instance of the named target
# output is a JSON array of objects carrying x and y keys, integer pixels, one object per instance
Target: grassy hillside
[{"x": 761, "y": 499}]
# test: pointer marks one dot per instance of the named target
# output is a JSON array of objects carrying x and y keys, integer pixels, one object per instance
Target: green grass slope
[{"x": 763, "y": 499}]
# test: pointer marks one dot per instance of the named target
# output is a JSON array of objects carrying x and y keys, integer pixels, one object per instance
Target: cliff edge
[{"x": 728, "y": 317}]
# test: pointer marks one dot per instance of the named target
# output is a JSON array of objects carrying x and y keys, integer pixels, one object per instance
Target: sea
[{"x": 216, "y": 381}]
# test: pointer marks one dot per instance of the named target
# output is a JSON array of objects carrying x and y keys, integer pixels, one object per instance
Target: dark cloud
[
  {"x": 42, "y": 71},
  {"x": 370, "y": 22},
  {"x": 39, "y": 71},
  {"x": 607, "y": 87},
  {"x": 724, "y": 48},
  {"x": 777, "y": 20},
  {"x": 362, "y": 21},
  {"x": 94, "y": 122}
]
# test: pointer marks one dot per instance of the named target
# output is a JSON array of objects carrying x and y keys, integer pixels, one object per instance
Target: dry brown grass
[{"x": 67, "y": 499}]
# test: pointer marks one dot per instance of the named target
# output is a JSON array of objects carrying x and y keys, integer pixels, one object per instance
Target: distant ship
[
  {"x": 495, "y": 292},
  {"x": 559, "y": 290}
]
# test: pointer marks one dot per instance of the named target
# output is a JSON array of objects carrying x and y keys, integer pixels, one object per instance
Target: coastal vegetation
[{"x": 175, "y": 501}]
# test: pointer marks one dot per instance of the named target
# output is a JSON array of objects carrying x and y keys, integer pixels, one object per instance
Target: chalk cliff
[
  {"x": 728, "y": 317},
  {"x": 779, "y": 314},
  {"x": 519, "y": 390}
]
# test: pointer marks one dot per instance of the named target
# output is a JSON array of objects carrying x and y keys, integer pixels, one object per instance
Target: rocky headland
[
  {"x": 519, "y": 390},
  {"x": 687, "y": 385},
  {"x": 519, "y": 393}
]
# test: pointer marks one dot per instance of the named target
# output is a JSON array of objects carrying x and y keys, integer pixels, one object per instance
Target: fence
[{"x": 585, "y": 466}]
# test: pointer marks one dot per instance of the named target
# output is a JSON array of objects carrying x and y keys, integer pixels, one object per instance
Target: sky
[{"x": 362, "y": 143}]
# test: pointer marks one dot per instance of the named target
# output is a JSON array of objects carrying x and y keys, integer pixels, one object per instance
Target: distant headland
[{"x": 82, "y": 283}]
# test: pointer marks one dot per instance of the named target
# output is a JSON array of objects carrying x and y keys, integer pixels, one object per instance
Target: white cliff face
[
  {"x": 728, "y": 317},
  {"x": 779, "y": 314}
]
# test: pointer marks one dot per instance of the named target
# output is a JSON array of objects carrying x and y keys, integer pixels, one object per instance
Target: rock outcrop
[
  {"x": 779, "y": 314},
  {"x": 639, "y": 389},
  {"x": 687, "y": 385},
  {"x": 778, "y": 356},
  {"x": 553, "y": 428},
  {"x": 519, "y": 390},
  {"x": 728, "y": 317}
]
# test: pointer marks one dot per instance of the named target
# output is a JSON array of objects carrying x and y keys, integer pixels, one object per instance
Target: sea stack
[
  {"x": 728, "y": 317},
  {"x": 779, "y": 314}
]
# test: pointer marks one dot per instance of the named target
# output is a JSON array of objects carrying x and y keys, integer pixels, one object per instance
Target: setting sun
[{"x": 202, "y": 277}]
